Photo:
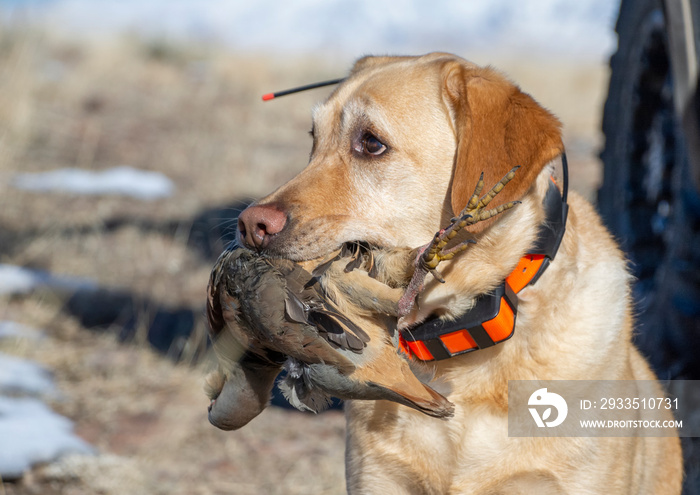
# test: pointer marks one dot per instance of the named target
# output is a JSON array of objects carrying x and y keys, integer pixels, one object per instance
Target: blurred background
[{"x": 131, "y": 135}]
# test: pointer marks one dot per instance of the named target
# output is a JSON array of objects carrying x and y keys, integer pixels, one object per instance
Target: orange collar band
[{"x": 492, "y": 319}]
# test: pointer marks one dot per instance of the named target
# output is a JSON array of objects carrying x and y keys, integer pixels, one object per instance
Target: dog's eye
[{"x": 371, "y": 145}]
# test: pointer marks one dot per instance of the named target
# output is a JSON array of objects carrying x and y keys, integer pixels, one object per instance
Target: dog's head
[{"x": 397, "y": 150}]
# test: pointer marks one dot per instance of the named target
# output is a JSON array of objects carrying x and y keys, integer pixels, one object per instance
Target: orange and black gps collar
[{"x": 492, "y": 319}]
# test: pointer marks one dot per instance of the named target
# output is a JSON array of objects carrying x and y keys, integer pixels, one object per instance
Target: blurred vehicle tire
[{"x": 647, "y": 198}]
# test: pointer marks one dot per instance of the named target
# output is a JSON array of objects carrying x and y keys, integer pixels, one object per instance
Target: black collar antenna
[{"x": 270, "y": 96}]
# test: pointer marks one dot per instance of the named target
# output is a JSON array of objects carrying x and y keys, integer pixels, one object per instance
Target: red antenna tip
[{"x": 268, "y": 96}]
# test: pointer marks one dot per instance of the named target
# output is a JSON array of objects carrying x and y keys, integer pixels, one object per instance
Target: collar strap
[{"x": 492, "y": 319}]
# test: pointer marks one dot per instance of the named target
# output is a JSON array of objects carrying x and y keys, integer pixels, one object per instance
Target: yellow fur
[{"x": 443, "y": 120}]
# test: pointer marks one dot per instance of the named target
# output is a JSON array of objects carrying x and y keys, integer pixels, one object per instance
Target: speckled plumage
[{"x": 268, "y": 313}]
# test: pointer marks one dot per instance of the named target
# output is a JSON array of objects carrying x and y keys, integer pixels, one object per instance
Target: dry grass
[
  {"x": 193, "y": 113},
  {"x": 148, "y": 417}
]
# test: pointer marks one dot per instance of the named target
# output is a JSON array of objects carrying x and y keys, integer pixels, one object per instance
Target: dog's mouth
[
  {"x": 348, "y": 248},
  {"x": 357, "y": 253}
]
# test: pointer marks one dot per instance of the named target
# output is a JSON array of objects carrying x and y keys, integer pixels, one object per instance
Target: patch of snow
[
  {"x": 119, "y": 181},
  {"x": 17, "y": 280},
  {"x": 22, "y": 377},
  {"x": 20, "y": 280},
  {"x": 31, "y": 433},
  {"x": 14, "y": 330}
]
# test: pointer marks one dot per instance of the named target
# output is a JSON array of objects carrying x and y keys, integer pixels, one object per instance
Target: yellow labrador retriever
[{"x": 397, "y": 150}]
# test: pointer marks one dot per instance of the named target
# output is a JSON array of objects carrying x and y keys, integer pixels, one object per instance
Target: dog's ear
[{"x": 497, "y": 127}]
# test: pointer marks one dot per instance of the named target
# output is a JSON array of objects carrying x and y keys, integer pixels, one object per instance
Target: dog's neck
[{"x": 491, "y": 319}]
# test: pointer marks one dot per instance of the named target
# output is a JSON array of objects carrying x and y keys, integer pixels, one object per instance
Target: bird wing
[{"x": 306, "y": 303}]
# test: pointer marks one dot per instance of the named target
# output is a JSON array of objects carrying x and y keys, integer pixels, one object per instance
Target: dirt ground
[{"x": 193, "y": 113}]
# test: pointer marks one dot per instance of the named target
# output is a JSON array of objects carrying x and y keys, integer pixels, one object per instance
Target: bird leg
[{"x": 428, "y": 257}]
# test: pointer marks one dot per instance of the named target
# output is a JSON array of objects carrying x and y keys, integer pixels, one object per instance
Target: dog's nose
[{"x": 257, "y": 223}]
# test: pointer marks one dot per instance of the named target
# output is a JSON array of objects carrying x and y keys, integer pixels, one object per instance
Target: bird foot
[{"x": 429, "y": 256}]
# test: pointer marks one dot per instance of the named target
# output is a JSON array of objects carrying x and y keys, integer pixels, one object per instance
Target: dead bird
[{"x": 266, "y": 314}]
